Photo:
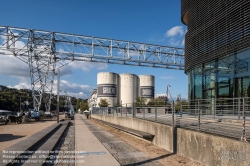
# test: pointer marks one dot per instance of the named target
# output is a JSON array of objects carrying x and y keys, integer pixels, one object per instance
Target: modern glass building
[{"x": 217, "y": 48}]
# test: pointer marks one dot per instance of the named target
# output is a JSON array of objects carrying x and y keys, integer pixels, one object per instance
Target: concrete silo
[
  {"x": 107, "y": 87},
  {"x": 128, "y": 88},
  {"x": 147, "y": 86}
]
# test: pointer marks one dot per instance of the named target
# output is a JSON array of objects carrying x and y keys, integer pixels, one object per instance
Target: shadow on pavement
[
  {"x": 150, "y": 160},
  {"x": 9, "y": 137}
]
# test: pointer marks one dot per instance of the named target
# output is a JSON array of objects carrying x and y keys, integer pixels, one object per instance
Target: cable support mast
[{"x": 44, "y": 51}]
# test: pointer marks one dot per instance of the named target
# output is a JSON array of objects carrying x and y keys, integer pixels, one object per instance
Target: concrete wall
[
  {"x": 210, "y": 150},
  {"x": 163, "y": 133}
]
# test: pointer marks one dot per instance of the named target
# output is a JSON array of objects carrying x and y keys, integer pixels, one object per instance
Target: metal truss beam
[{"x": 44, "y": 51}]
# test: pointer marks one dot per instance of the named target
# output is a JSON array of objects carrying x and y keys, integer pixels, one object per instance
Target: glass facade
[
  {"x": 226, "y": 77},
  {"x": 217, "y": 48}
]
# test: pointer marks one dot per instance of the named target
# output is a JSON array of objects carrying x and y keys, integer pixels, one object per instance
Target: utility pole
[
  {"x": 178, "y": 102},
  {"x": 167, "y": 97},
  {"x": 81, "y": 106},
  {"x": 66, "y": 100},
  {"x": 20, "y": 103},
  {"x": 167, "y": 90}
]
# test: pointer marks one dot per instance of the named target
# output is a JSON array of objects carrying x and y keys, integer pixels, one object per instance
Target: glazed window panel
[
  {"x": 195, "y": 83},
  {"x": 242, "y": 63},
  {"x": 225, "y": 75}
]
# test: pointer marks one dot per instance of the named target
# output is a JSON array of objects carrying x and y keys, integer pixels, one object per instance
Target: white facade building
[{"x": 92, "y": 101}]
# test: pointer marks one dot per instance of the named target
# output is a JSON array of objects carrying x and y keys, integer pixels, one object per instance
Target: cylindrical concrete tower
[
  {"x": 128, "y": 89},
  {"x": 107, "y": 87},
  {"x": 147, "y": 86}
]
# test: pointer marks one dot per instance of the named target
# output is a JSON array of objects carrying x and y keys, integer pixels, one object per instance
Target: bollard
[
  {"x": 199, "y": 120},
  {"x": 126, "y": 111},
  {"x": 121, "y": 110},
  {"x": 180, "y": 111},
  {"x": 143, "y": 113},
  {"x": 215, "y": 109},
  {"x": 173, "y": 112},
  {"x": 239, "y": 109},
  {"x": 133, "y": 110},
  {"x": 243, "y": 137},
  {"x": 155, "y": 113}
]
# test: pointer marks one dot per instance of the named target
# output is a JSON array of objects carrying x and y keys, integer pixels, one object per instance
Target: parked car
[
  {"x": 49, "y": 114},
  {"x": 34, "y": 114}
]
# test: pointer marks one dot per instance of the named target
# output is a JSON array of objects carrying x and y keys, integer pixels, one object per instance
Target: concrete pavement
[{"x": 91, "y": 151}]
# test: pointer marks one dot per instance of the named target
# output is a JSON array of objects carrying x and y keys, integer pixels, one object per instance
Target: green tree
[
  {"x": 84, "y": 104},
  {"x": 140, "y": 101},
  {"x": 118, "y": 105},
  {"x": 182, "y": 103},
  {"x": 78, "y": 105},
  {"x": 103, "y": 103},
  {"x": 158, "y": 101},
  {"x": 10, "y": 100}
]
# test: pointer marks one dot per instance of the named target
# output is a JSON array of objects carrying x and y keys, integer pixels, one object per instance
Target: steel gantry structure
[{"x": 44, "y": 51}]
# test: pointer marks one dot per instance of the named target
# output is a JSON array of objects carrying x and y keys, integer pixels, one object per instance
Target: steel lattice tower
[{"x": 45, "y": 51}]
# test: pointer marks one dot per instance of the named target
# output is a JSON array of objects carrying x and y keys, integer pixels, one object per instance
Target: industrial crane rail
[
  {"x": 18, "y": 41},
  {"x": 44, "y": 51}
]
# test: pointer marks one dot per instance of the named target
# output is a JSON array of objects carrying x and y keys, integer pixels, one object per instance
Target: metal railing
[{"x": 224, "y": 116}]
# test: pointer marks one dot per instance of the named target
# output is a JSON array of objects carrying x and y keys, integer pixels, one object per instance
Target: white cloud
[
  {"x": 176, "y": 36},
  {"x": 174, "y": 42},
  {"x": 10, "y": 65},
  {"x": 183, "y": 42},
  {"x": 86, "y": 66},
  {"x": 167, "y": 77},
  {"x": 177, "y": 30},
  {"x": 23, "y": 84},
  {"x": 75, "y": 90}
]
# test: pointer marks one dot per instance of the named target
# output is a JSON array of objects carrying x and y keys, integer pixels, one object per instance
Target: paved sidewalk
[{"x": 91, "y": 151}]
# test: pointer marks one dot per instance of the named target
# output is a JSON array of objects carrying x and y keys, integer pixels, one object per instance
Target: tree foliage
[
  {"x": 140, "y": 101},
  {"x": 84, "y": 105},
  {"x": 11, "y": 99},
  {"x": 156, "y": 102},
  {"x": 103, "y": 103},
  {"x": 78, "y": 105},
  {"x": 179, "y": 103}
]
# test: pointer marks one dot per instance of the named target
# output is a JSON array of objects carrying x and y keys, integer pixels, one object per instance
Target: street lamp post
[
  {"x": 66, "y": 100},
  {"x": 93, "y": 105}
]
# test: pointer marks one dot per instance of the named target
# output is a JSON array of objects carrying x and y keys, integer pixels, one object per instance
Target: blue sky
[{"x": 145, "y": 21}]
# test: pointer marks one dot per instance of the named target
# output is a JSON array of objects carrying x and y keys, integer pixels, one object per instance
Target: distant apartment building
[{"x": 92, "y": 99}]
